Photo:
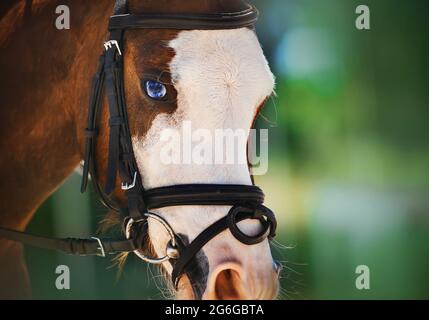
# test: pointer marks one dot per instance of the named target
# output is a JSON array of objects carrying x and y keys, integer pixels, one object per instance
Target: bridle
[{"x": 246, "y": 200}]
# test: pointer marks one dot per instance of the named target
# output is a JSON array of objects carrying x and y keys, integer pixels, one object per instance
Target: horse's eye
[{"x": 155, "y": 90}]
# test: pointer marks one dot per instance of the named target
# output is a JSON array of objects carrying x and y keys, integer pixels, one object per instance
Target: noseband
[{"x": 246, "y": 200}]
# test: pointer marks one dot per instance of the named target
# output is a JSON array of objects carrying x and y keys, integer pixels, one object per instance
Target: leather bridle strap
[
  {"x": 203, "y": 194},
  {"x": 211, "y": 21},
  {"x": 76, "y": 246},
  {"x": 187, "y": 254},
  {"x": 230, "y": 221},
  {"x": 91, "y": 132},
  {"x": 246, "y": 201}
]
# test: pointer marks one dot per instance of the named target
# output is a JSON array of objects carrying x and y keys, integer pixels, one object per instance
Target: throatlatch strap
[
  {"x": 115, "y": 121},
  {"x": 91, "y": 132},
  {"x": 91, "y": 129}
]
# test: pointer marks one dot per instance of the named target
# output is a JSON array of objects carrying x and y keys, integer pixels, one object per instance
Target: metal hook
[
  {"x": 100, "y": 247},
  {"x": 108, "y": 45},
  {"x": 126, "y": 186}
]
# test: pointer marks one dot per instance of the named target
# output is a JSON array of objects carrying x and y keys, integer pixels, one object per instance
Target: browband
[{"x": 212, "y": 21}]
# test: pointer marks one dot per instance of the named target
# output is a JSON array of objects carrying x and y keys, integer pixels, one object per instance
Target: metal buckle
[
  {"x": 108, "y": 45},
  {"x": 126, "y": 186},
  {"x": 171, "y": 249},
  {"x": 100, "y": 247}
]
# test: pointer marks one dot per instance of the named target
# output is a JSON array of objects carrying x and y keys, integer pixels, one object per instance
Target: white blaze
[{"x": 221, "y": 77}]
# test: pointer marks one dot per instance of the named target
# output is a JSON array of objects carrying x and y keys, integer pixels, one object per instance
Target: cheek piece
[{"x": 246, "y": 201}]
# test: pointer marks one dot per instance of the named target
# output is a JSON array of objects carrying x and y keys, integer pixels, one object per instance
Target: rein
[{"x": 246, "y": 200}]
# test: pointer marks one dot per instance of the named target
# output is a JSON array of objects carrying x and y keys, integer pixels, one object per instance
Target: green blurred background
[{"x": 348, "y": 173}]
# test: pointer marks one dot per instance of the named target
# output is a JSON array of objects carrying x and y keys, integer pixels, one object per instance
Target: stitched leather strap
[
  {"x": 203, "y": 194},
  {"x": 71, "y": 245},
  {"x": 235, "y": 215},
  {"x": 210, "y": 21}
]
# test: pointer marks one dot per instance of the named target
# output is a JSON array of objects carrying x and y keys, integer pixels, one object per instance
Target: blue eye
[{"x": 155, "y": 90}]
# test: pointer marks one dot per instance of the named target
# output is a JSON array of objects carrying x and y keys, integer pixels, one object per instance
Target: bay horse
[{"x": 216, "y": 79}]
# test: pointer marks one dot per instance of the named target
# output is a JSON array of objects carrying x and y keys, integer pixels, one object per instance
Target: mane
[{"x": 13, "y": 14}]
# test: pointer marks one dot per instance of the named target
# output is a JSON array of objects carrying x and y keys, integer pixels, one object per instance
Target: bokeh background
[{"x": 349, "y": 154}]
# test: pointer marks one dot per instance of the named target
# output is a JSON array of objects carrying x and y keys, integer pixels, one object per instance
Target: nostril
[
  {"x": 228, "y": 285},
  {"x": 277, "y": 267}
]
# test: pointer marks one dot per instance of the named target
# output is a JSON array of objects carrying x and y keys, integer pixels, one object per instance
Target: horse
[{"x": 215, "y": 79}]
